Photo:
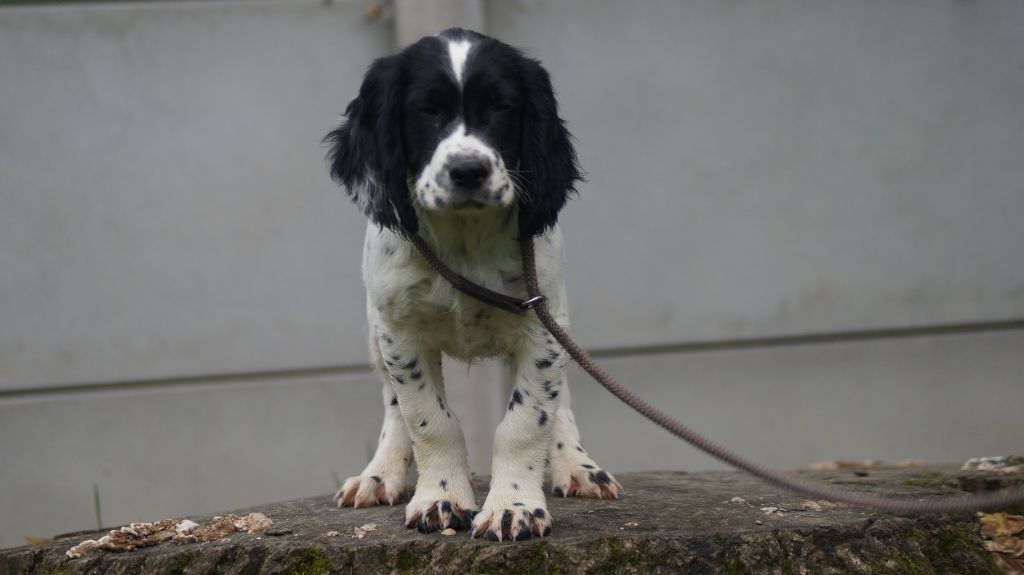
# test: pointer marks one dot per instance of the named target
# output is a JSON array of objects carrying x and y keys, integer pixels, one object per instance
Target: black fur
[
  {"x": 366, "y": 150},
  {"x": 549, "y": 165},
  {"x": 408, "y": 102}
]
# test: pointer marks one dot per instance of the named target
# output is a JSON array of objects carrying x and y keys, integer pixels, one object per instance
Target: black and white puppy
[{"x": 458, "y": 138}]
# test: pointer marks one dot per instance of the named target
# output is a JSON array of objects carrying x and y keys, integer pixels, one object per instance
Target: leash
[{"x": 977, "y": 502}]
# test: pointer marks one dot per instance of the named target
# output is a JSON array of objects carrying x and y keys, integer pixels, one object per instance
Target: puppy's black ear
[
  {"x": 548, "y": 163},
  {"x": 366, "y": 153}
]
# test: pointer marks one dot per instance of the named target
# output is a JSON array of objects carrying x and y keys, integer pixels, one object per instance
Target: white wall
[
  {"x": 166, "y": 210},
  {"x": 784, "y": 167},
  {"x": 756, "y": 170}
]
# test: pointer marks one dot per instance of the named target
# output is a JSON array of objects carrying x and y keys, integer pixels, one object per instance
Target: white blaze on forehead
[{"x": 458, "y": 51}]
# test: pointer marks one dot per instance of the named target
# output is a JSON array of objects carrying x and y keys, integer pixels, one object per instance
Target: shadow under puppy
[{"x": 458, "y": 138}]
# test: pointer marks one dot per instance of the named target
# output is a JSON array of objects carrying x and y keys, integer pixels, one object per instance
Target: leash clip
[{"x": 528, "y": 304}]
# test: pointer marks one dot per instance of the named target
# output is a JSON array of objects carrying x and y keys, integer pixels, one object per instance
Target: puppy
[{"x": 458, "y": 139}]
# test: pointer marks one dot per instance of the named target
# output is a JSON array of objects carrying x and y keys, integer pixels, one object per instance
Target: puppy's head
[{"x": 457, "y": 122}]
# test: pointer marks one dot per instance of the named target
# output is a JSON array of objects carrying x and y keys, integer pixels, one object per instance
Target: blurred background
[{"x": 802, "y": 234}]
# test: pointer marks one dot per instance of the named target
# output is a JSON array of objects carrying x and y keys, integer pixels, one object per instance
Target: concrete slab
[{"x": 665, "y": 523}]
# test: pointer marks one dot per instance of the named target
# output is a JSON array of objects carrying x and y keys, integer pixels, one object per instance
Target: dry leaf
[
  {"x": 363, "y": 530},
  {"x": 811, "y": 506},
  {"x": 185, "y": 526},
  {"x": 992, "y": 463},
  {"x": 1000, "y": 524},
  {"x": 138, "y": 535},
  {"x": 1004, "y": 536},
  {"x": 128, "y": 538},
  {"x": 253, "y": 522},
  {"x": 844, "y": 464},
  {"x": 1012, "y": 546}
]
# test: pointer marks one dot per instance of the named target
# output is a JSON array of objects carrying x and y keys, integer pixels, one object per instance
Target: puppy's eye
[
  {"x": 502, "y": 106},
  {"x": 428, "y": 110}
]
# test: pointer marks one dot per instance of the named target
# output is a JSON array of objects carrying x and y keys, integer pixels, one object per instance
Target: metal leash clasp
[{"x": 527, "y": 304}]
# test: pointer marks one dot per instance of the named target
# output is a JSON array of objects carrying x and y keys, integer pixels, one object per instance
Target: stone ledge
[{"x": 665, "y": 523}]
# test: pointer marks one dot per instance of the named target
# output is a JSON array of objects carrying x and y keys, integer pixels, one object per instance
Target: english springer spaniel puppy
[{"x": 457, "y": 138}]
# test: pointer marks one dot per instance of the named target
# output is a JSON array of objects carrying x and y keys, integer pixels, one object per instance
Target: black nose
[{"x": 469, "y": 173}]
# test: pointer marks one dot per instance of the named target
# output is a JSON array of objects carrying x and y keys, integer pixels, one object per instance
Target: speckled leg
[
  {"x": 515, "y": 508},
  {"x": 384, "y": 480},
  {"x": 444, "y": 496},
  {"x": 573, "y": 472}
]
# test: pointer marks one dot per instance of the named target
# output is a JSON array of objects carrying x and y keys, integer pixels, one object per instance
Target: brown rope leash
[
  {"x": 976, "y": 502},
  {"x": 473, "y": 290}
]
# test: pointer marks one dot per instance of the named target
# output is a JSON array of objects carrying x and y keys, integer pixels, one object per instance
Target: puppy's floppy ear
[
  {"x": 366, "y": 153},
  {"x": 548, "y": 161}
]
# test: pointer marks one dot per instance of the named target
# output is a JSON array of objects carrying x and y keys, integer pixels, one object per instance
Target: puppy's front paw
[
  {"x": 441, "y": 504},
  {"x": 516, "y": 523},
  {"x": 368, "y": 490},
  {"x": 575, "y": 473},
  {"x": 438, "y": 515}
]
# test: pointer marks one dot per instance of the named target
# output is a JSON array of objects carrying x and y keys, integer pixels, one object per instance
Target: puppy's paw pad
[
  {"x": 585, "y": 481},
  {"x": 438, "y": 515},
  {"x": 368, "y": 491},
  {"x": 517, "y": 523}
]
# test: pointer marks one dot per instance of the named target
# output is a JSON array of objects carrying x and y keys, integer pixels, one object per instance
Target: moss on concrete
[{"x": 308, "y": 561}]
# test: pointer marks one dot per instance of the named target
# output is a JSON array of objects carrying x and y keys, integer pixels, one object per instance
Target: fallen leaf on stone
[
  {"x": 992, "y": 463},
  {"x": 811, "y": 506},
  {"x": 138, "y": 535},
  {"x": 1000, "y": 524},
  {"x": 185, "y": 526},
  {"x": 844, "y": 464},
  {"x": 631, "y": 524},
  {"x": 363, "y": 530},
  {"x": 1012, "y": 546},
  {"x": 253, "y": 522},
  {"x": 332, "y": 534},
  {"x": 220, "y": 527},
  {"x": 826, "y": 503},
  {"x": 772, "y": 510},
  {"x": 217, "y": 528},
  {"x": 448, "y": 532},
  {"x": 1004, "y": 536},
  {"x": 824, "y": 466},
  {"x": 80, "y": 549},
  {"x": 128, "y": 538},
  {"x": 737, "y": 500}
]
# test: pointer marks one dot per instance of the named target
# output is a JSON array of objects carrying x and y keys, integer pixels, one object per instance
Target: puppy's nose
[{"x": 469, "y": 173}]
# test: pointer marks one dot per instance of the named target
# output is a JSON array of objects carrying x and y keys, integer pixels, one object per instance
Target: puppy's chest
[{"x": 418, "y": 300}]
